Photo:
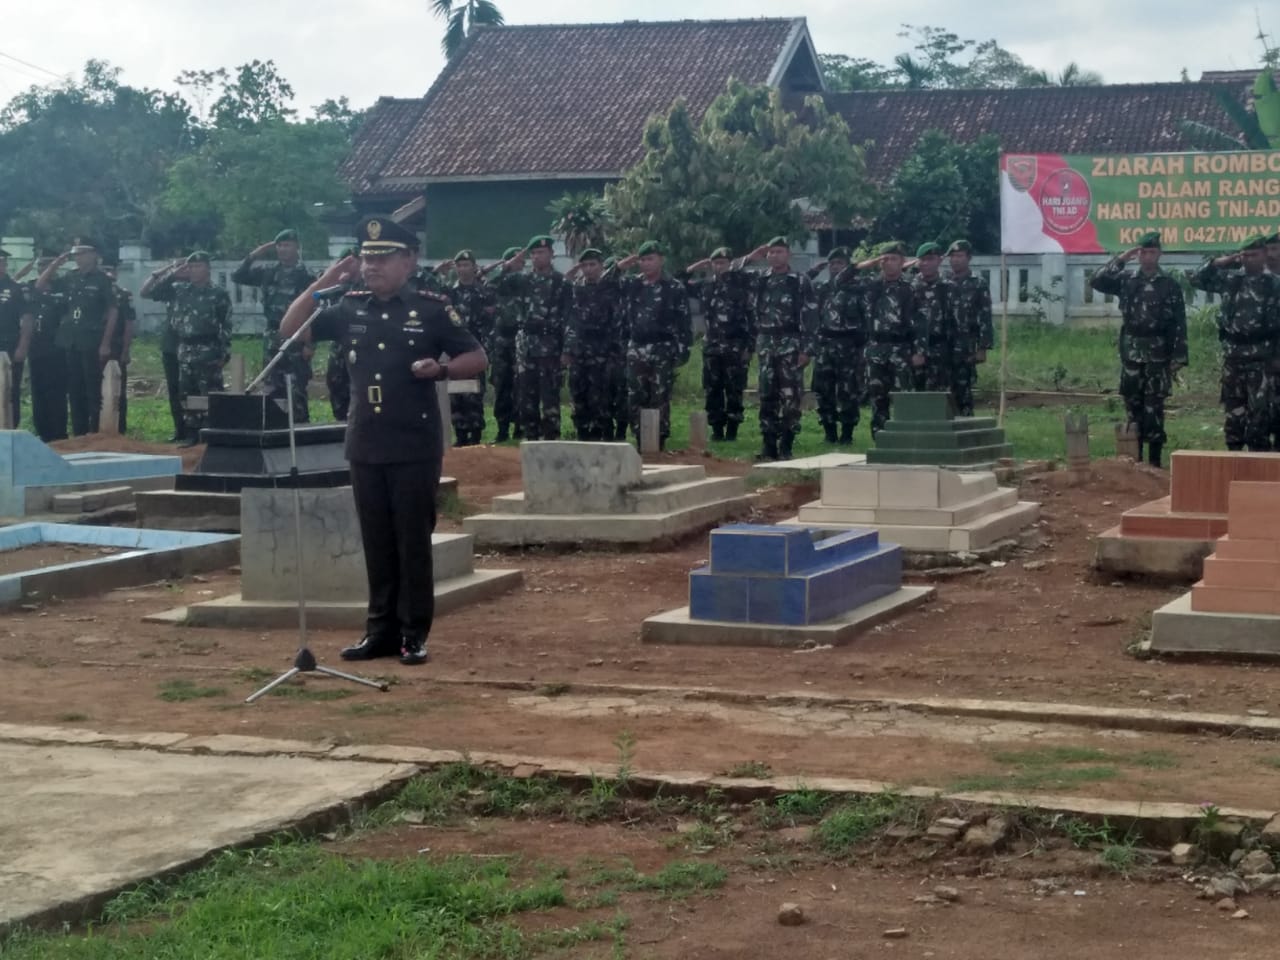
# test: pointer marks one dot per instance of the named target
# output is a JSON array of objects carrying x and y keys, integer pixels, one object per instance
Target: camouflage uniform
[
  {"x": 477, "y": 305},
  {"x": 126, "y": 317},
  {"x": 280, "y": 286},
  {"x": 971, "y": 302},
  {"x": 786, "y": 322},
  {"x": 1249, "y": 330},
  {"x": 337, "y": 380},
  {"x": 87, "y": 297},
  {"x": 659, "y": 336},
  {"x": 840, "y": 362},
  {"x": 539, "y": 346},
  {"x": 592, "y": 339},
  {"x": 501, "y": 349},
  {"x": 1153, "y": 337},
  {"x": 202, "y": 321},
  {"x": 934, "y": 311},
  {"x": 894, "y": 335},
  {"x": 726, "y": 303},
  {"x": 48, "y": 366}
]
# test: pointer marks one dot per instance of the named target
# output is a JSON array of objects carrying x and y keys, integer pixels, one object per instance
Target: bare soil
[{"x": 39, "y": 556}]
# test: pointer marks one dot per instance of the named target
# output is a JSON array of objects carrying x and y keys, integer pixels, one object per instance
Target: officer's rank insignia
[
  {"x": 374, "y": 229},
  {"x": 454, "y": 315},
  {"x": 413, "y": 320}
]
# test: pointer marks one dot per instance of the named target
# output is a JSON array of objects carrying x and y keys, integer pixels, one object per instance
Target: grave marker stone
[{"x": 925, "y": 430}]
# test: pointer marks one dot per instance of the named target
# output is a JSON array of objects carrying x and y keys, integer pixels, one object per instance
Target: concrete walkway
[{"x": 79, "y": 823}]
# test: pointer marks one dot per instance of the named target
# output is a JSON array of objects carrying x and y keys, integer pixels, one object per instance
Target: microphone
[{"x": 336, "y": 290}]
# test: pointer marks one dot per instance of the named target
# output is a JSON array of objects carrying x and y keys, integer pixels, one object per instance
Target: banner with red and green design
[{"x": 1056, "y": 203}]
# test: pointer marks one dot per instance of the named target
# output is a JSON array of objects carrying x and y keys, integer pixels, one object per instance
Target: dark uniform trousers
[
  {"x": 396, "y": 506},
  {"x": 49, "y": 395},
  {"x": 15, "y": 391},
  {"x": 171, "y": 385},
  {"x": 84, "y": 389}
]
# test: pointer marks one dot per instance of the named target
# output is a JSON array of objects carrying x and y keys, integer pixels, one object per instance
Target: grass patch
[
  {"x": 1272, "y": 762},
  {"x": 1153, "y": 760},
  {"x": 676, "y": 880},
  {"x": 296, "y": 691},
  {"x": 802, "y": 804},
  {"x": 852, "y": 824},
  {"x": 553, "y": 690},
  {"x": 296, "y": 901},
  {"x": 452, "y": 507},
  {"x": 255, "y": 674},
  {"x": 71, "y": 717},
  {"x": 178, "y": 691},
  {"x": 1051, "y": 756},
  {"x": 749, "y": 769},
  {"x": 1037, "y": 778}
]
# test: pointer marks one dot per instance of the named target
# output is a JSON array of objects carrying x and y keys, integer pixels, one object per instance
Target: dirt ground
[
  {"x": 39, "y": 556},
  {"x": 1054, "y": 903}
]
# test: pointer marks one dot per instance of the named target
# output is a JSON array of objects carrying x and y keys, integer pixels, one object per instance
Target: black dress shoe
[
  {"x": 369, "y": 648},
  {"x": 413, "y": 651}
]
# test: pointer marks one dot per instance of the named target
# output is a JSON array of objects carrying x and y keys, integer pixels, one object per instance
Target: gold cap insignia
[{"x": 374, "y": 229}]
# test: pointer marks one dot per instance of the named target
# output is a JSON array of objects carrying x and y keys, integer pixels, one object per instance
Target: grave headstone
[
  {"x": 650, "y": 431},
  {"x": 698, "y": 431},
  {"x": 925, "y": 430},
  {"x": 112, "y": 384},
  {"x": 1127, "y": 441},
  {"x": 235, "y": 373},
  {"x": 1077, "y": 430}
]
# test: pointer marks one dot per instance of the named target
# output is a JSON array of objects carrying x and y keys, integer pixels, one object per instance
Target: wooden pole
[{"x": 1005, "y": 287}]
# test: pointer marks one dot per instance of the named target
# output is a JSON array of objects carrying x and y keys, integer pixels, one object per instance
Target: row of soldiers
[{"x": 1153, "y": 339}]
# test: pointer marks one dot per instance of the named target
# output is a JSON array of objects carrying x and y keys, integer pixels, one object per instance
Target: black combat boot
[
  {"x": 1153, "y": 454},
  {"x": 770, "y": 451},
  {"x": 717, "y": 433},
  {"x": 413, "y": 650},
  {"x": 846, "y": 434},
  {"x": 784, "y": 447},
  {"x": 370, "y": 648},
  {"x": 830, "y": 430},
  {"x": 504, "y": 433},
  {"x": 731, "y": 432}
]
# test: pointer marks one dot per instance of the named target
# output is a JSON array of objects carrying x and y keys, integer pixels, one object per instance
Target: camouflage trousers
[
  {"x": 1144, "y": 388},
  {"x": 724, "y": 380},
  {"x": 651, "y": 374},
  {"x": 338, "y": 379},
  {"x": 935, "y": 374},
  {"x": 781, "y": 387},
  {"x": 837, "y": 381},
  {"x": 199, "y": 374},
  {"x": 1248, "y": 391},
  {"x": 963, "y": 376},
  {"x": 888, "y": 371},
  {"x": 502, "y": 376},
  {"x": 466, "y": 410},
  {"x": 619, "y": 406},
  {"x": 539, "y": 380},
  {"x": 293, "y": 363},
  {"x": 591, "y": 394}
]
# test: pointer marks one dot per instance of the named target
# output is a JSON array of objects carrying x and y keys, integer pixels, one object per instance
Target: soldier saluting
[
  {"x": 1153, "y": 337},
  {"x": 394, "y": 335}
]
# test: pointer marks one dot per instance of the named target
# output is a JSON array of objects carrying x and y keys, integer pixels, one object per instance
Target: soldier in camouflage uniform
[
  {"x": 1153, "y": 337},
  {"x": 725, "y": 299},
  {"x": 281, "y": 283},
  {"x": 659, "y": 334},
  {"x": 501, "y": 349},
  {"x": 971, "y": 302},
  {"x": 544, "y": 297},
  {"x": 84, "y": 335},
  {"x": 593, "y": 332},
  {"x": 477, "y": 304},
  {"x": 786, "y": 325},
  {"x": 619, "y": 406},
  {"x": 1273, "y": 252},
  {"x": 896, "y": 337},
  {"x": 934, "y": 310},
  {"x": 337, "y": 378},
  {"x": 1249, "y": 330},
  {"x": 122, "y": 343},
  {"x": 202, "y": 319},
  {"x": 840, "y": 364}
]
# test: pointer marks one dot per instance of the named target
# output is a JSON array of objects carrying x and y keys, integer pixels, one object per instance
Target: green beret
[
  {"x": 200, "y": 256},
  {"x": 960, "y": 246},
  {"x": 721, "y": 253},
  {"x": 927, "y": 248},
  {"x": 893, "y": 246},
  {"x": 1256, "y": 242},
  {"x": 541, "y": 243},
  {"x": 839, "y": 253},
  {"x": 591, "y": 253},
  {"x": 778, "y": 242},
  {"x": 510, "y": 252},
  {"x": 464, "y": 255},
  {"x": 284, "y": 235},
  {"x": 611, "y": 263},
  {"x": 649, "y": 247},
  {"x": 1150, "y": 240}
]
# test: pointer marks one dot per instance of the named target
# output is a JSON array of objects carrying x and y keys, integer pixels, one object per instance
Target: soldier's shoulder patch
[
  {"x": 432, "y": 295},
  {"x": 454, "y": 316}
]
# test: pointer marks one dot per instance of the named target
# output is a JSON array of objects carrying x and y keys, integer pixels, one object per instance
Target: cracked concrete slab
[{"x": 80, "y": 823}]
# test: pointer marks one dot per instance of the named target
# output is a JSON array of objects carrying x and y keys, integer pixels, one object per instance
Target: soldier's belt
[{"x": 375, "y": 394}]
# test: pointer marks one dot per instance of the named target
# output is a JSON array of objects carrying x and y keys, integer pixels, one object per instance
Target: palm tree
[
  {"x": 1073, "y": 76},
  {"x": 915, "y": 75},
  {"x": 462, "y": 18},
  {"x": 1257, "y": 129}
]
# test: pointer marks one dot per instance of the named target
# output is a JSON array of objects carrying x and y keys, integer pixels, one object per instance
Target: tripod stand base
[{"x": 305, "y": 662}]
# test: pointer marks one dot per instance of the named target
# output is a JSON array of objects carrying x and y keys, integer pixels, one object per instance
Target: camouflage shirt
[
  {"x": 726, "y": 306},
  {"x": 655, "y": 313},
  {"x": 125, "y": 315},
  {"x": 477, "y": 304},
  {"x": 280, "y": 286},
  {"x": 844, "y": 313},
  {"x": 891, "y": 318},
  {"x": 786, "y": 313},
  {"x": 1249, "y": 321},
  {"x": 544, "y": 298},
  {"x": 506, "y": 321},
  {"x": 1154, "y": 312},
  {"x": 200, "y": 314},
  {"x": 594, "y": 326},
  {"x": 87, "y": 297},
  {"x": 971, "y": 301},
  {"x": 14, "y": 305},
  {"x": 935, "y": 312}
]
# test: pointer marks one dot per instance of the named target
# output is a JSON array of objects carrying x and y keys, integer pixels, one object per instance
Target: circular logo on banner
[{"x": 1065, "y": 201}]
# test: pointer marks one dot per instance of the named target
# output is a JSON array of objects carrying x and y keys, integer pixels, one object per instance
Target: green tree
[
  {"x": 582, "y": 219},
  {"x": 843, "y": 74},
  {"x": 461, "y": 18},
  {"x": 748, "y": 171},
  {"x": 945, "y": 190}
]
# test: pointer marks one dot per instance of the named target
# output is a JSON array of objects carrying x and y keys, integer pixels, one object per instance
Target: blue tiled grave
[
  {"x": 779, "y": 574},
  {"x": 149, "y": 555},
  {"x": 31, "y": 472}
]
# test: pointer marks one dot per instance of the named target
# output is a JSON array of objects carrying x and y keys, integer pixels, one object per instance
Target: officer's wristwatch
[{"x": 444, "y": 372}]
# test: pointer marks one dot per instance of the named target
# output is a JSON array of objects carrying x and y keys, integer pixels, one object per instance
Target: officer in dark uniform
[{"x": 394, "y": 334}]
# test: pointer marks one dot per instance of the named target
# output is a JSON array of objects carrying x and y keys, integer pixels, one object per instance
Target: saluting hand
[
  {"x": 261, "y": 249},
  {"x": 339, "y": 271}
]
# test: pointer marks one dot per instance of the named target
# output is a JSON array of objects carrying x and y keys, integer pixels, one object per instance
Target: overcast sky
[{"x": 363, "y": 50}]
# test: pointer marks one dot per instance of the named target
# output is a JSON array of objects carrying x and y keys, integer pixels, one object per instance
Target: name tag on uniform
[{"x": 358, "y": 328}]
